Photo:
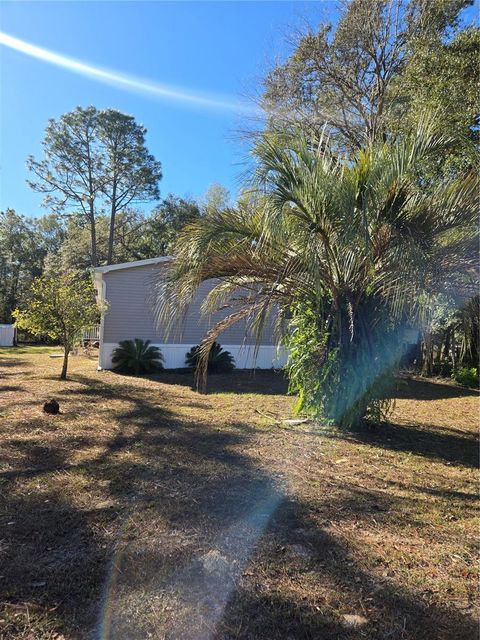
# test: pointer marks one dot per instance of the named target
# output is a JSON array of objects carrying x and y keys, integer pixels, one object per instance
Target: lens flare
[
  {"x": 202, "y": 587},
  {"x": 127, "y": 82}
]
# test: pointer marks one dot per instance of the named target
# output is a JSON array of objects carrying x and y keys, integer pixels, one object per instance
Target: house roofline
[{"x": 130, "y": 265}]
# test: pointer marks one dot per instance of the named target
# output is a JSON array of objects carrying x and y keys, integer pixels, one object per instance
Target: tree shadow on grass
[
  {"x": 10, "y": 362},
  {"x": 4, "y": 388},
  {"x": 441, "y": 493},
  {"x": 428, "y": 442},
  {"x": 53, "y": 560},
  {"x": 59, "y": 542},
  {"x": 153, "y": 535},
  {"x": 335, "y": 586},
  {"x": 424, "y": 389},
  {"x": 259, "y": 381}
]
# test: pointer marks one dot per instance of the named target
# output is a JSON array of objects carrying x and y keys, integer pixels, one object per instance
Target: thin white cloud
[{"x": 123, "y": 81}]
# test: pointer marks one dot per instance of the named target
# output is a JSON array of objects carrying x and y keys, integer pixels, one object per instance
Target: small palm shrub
[
  {"x": 136, "y": 357},
  {"x": 219, "y": 361},
  {"x": 467, "y": 377}
]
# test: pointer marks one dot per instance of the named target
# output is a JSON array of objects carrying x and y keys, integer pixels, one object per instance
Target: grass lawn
[{"x": 146, "y": 510}]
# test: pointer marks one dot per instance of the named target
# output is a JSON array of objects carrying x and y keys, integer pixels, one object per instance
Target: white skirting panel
[{"x": 267, "y": 356}]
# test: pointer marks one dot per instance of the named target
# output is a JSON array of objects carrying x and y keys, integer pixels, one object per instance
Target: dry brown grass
[{"x": 148, "y": 511}]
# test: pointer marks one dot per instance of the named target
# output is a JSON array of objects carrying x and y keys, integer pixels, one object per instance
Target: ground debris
[{"x": 354, "y": 621}]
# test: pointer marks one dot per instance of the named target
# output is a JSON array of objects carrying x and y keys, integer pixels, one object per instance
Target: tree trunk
[
  {"x": 113, "y": 211},
  {"x": 63, "y": 375},
  {"x": 93, "y": 235},
  {"x": 438, "y": 359},
  {"x": 427, "y": 354},
  {"x": 454, "y": 351},
  {"x": 91, "y": 205},
  {"x": 446, "y": 350}
]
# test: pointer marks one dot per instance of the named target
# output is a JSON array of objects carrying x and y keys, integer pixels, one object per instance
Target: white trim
[
  {"x": 103, "y": 297},
  {"x": 130, "y": 265},
  {"x": 267, "y": 356}
]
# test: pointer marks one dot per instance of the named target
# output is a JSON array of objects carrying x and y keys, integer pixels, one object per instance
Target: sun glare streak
[
  {"x": 124, "y": 81},
  {"x": 203, "y": 587}
]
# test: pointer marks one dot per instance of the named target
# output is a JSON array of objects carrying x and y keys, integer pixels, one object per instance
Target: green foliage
[
  {"x": 466, "y": 377},
  {"x": 137, "y": 236},
  {"x": 60, "y": 306},
  {"x": 306, "y": 347},
  {"x": 166, "y": 222},
  {"x": 372, "y": 78},
  {"x": 136, "y": 357},
  {"x": 29, "y": 245},
  {"x": 95, "y": 160},
  {"x": 219, "y": 361},
  {"x": 451, "y": 336},
  {"x": 75, "y": 251},
  {"x": 69, "y": 173},
  {"x": 130, "y": 173},
  {"x": 339, "y": 379},
  {"x": 355, "y": 249},
  {"x": 132, "y": 241},
  {"x": 217, "y": 197},
  {"x": 374, "y": 72},
  {"x": 441, "y": 77},
  {"x": 24, "y": 244}
]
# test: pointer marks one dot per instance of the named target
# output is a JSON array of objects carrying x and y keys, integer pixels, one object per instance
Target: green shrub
[
  {"x": 137, "y": 356},
  {"x": 466, "y": 377},
  {"x": 219, "y": 361},
  {"x": 341, "y": 377}
]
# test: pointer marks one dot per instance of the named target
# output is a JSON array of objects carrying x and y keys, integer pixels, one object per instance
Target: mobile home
[{"x": 128, "y": 291}]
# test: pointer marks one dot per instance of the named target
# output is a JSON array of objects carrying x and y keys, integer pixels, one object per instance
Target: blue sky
[{"x": 221, "y": 49}]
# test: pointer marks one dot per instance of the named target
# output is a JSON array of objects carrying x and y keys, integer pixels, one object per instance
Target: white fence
[
  {"x": 91, "y": 335},
  {"x": 7, "y": 335}
]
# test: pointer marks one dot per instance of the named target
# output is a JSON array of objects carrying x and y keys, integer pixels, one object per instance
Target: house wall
[{"x": 129, "y": 294}]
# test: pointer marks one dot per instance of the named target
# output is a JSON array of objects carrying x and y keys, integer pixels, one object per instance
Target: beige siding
[{"x": 130, "y": 314}]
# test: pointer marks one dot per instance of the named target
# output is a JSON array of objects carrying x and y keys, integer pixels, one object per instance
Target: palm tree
[{"x": 345, "y": 253}]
